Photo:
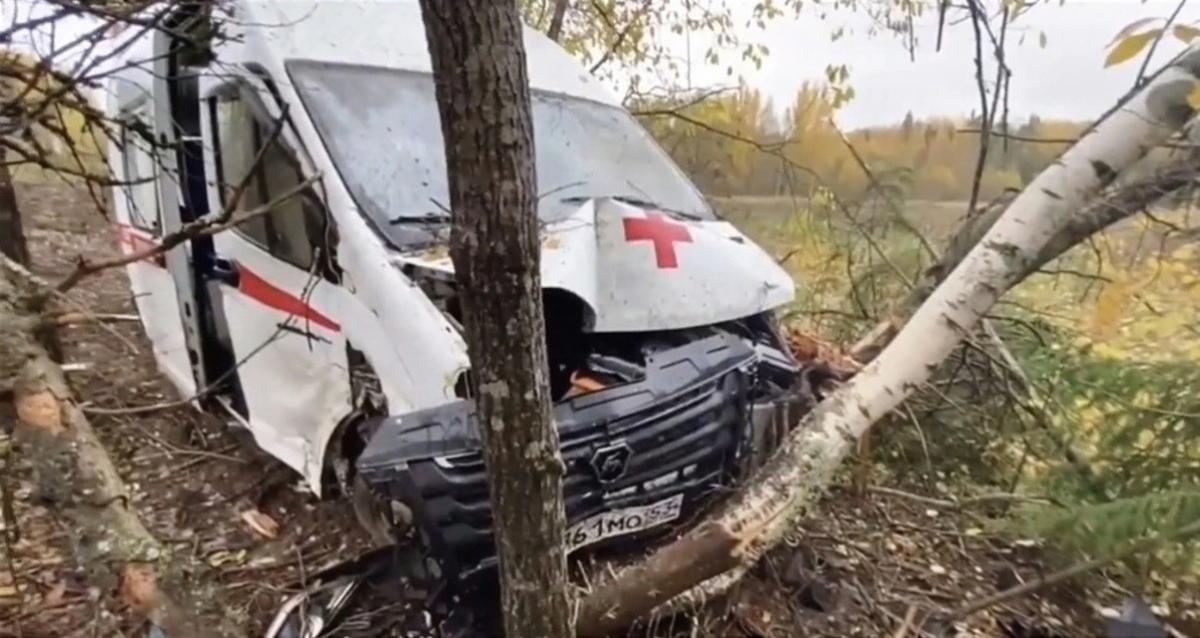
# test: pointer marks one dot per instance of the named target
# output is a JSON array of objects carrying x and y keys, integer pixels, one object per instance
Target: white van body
[{"x": 277, "y": 315}]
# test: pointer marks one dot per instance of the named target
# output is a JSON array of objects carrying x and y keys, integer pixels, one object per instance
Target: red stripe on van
[
  {"x": 139, "y": 242},
  {"x": 266, "y": 293}
]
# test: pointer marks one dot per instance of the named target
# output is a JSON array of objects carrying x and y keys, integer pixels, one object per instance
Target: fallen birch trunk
[
  {"x": 756, "y": 518},
  {"x": 77, "y": 481}
]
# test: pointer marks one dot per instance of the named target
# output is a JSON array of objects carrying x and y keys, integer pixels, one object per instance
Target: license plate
[{"x": 627, "y": 520}]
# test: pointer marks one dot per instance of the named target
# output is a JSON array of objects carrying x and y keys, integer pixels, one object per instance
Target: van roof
[
  {"x": 383, "y": 33},
  {"x": 386, "y": 33}
]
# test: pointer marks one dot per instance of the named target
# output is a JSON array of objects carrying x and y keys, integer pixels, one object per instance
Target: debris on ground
[{"x": 864, "y": 563}]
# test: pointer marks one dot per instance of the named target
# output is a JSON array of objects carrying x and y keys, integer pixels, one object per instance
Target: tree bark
[
  {"x": 556, "y": 20},
  {"x": 75, "y": 478},
  {"x": 482, "y": 86},
  {"x": 1117, "y": 203},
  {"x": 755, "y": 518}
]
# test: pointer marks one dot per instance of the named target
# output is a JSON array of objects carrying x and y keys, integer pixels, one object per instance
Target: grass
[{"x": 1109, "y": 338}]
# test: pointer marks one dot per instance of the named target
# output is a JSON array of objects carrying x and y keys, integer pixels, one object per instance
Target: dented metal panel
[
  {"x": 669, "y": 439},
  {"x": 668, "y": 382}
]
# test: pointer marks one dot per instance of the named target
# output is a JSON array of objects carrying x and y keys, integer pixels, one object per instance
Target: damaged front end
[{"x": 651, "y": 426}]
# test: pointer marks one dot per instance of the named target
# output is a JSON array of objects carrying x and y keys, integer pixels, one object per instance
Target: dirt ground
[
  {"x": 191, "y": 479},
  {"x": 866, "y": 563}
]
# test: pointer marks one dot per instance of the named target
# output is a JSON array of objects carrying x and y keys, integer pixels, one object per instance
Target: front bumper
[{"x": 704, "y": 415}]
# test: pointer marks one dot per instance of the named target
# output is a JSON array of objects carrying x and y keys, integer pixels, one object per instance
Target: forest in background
[
  {"x": 1104, "y": 334},
  {"x": 738, "y": 143}
]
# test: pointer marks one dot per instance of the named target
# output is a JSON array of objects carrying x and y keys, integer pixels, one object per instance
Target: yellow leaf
[
  {"x": 1130, "y": 46},
  {"x": 1185, "y": 32},
  {"x": 1109, "y": 309},
  {"x": 1133, "y": 27},
  {"x": 1193, "y": 98}
]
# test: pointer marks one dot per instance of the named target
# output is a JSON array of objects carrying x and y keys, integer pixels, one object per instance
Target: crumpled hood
[{"x": 639, "y": 269}]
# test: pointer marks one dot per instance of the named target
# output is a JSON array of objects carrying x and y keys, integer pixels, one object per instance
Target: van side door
[
  {"x": 277, "y": 281},
  {"x": 137, "y": 208}
]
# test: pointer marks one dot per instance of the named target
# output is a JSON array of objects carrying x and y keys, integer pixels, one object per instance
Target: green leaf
[
  {"x": 1185, "y": 32},
  {"x": 1130, "y": 47}
]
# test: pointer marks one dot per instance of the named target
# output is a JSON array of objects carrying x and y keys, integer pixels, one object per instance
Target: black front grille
[
  {"x": 685, "y": 426},
  {"x": 697, "y": 430}
]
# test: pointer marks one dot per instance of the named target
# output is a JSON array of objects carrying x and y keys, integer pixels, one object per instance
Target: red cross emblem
[{"x": 660, "y": 230}]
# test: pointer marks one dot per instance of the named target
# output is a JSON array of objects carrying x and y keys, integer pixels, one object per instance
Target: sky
[{"x": 1066, "y": 79}]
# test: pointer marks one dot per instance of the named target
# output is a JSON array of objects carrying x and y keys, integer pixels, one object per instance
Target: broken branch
[{"x": 756, "y": 518}]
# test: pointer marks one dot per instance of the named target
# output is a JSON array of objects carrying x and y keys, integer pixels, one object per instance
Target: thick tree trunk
[
  {"x": 1117, "y": 203},
  {"x": 755, "y": 519},
  {"x": 483, "y": 96},
  {"x": 76, "y": 480}
]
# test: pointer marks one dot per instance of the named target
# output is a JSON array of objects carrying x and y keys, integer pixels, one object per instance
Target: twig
[
  {"x": 1143, "y": 545},
  {"x": 1020, "y": 138},
  {"x": 909, "y": 617},
  {"x": 1077, "y": 458},
  {"x": 77, "y": 318},
  {"x": 620, "y": 39},
  {"x": 1137, "y": 82},
  {"x": 208, "y": 225},
  {"x": 199, "y": 228},
  {"x": 215, "y": 385},
  {"x": 958, "y": 504},
  {"x": 985, "y": 116},
  {"x": 877, "y": 187},
  {"x": 774, "y": 150},
  {"x": 20, "y": 271},
  {"x": 943, "y": 5}
]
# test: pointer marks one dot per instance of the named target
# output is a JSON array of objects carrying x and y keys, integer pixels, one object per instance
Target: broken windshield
[{"x": 382, "y": 128}]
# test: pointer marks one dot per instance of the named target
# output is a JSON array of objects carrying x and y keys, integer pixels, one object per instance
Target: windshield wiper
[
  {"x": 439, "y": 216},
  {"x": 425, "y": 218},
  {"x": 633, "y": 200}
]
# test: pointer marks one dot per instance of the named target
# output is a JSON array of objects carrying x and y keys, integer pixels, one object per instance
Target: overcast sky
[{"x": 1066, "y": 79}]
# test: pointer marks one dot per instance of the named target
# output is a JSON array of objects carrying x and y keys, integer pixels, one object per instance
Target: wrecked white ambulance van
[{"x": 330, "y": 328}]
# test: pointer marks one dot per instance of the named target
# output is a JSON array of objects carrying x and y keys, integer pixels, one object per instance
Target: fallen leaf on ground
[
  {"x": 55, "y": 595},
  {"x": 261, "y": 523}
]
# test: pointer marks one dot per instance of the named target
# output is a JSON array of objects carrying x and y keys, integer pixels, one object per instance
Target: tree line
[{"x": 739, "y": 143}]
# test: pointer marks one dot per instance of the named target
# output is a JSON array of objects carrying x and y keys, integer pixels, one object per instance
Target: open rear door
[
  {"x": 138, "y": 212},
  {"x": 175, "y": 209}
]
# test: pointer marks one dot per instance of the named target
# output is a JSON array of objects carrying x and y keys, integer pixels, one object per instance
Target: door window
[
  {"x": 297, "y": 228},
  {"x": 141, "y": 170}
]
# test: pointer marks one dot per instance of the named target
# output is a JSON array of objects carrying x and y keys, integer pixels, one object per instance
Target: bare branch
[
  {"x": 1154, "y": 45},
  {"x": 208, "y": 225},
  {"x": 620, "y": 39}
]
